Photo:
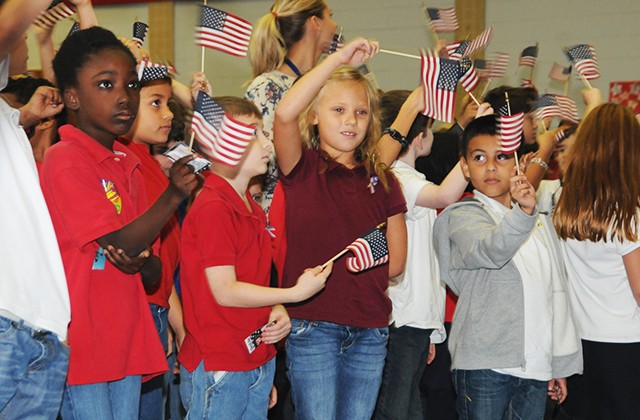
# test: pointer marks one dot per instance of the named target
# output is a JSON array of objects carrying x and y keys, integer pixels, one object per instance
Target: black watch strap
[{"x": 395, "y": 134}]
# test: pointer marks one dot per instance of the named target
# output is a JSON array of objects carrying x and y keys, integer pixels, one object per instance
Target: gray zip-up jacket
[{"x": 475, "y": 256}]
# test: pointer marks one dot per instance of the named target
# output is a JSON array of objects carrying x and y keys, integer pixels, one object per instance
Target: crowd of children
[{"x": 546, "y": 272}]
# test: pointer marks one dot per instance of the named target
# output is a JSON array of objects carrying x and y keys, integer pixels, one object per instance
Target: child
[
  {"x": 336, "y": 190},
  {"x": 227, "y": 356},
  {"x": 417, "y": 294},
  {"x": 512, "y": 333},
  {"x": 597, "y": 217},
  {"x": 152, "y": 126},
  {"x": 34, "y": 300},
  {"x": 96, "y": 196}
]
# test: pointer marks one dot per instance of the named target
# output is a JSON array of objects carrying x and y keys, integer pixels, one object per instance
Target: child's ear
[
  {"x": 71, "y": 99},
  {"x": 313, "y": 118},
  {"x": 417, "y": 139},
  {"x": 465, "y": 167}
]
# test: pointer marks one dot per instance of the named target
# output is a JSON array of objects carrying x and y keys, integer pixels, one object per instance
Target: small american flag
[
  {"x": 559, "y": 106},
  {"x": 148, "y": 71},
  {"x": 336, "y": 43},
  {"x": 510, "y": 131},
  {"x": 584, "y": 59},
  {"x": 224, "y": 138},
  {"x": 370, "y": 250},
  {"x": 468, "y": 75},
  {"x": 457, "y": 50},
  {"x": 528, "y": 56},
  {"x": 224, "y": 32},
  {"x": 442, "y": 20},
  {"x": 440, "y": 79},
  {"x": 498, "y": 64},
  {"x": 559, "y": 73},
  {"x": 57, "y": 10},
  {"x": 480, "y": 43},
  {"x": 527, "y": 83},
  {"x": 482, "y": 68},
  {"x": 139, "y": 32}
]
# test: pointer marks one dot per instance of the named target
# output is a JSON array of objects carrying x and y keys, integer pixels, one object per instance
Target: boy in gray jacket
[{"x": 512, "y": 339}]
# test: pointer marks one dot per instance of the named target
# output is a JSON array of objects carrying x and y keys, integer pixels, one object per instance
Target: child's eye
[
  {"x": 105, "y": 84},
  {"x": 156, "y": 103},
  {"x": 363, "y": 112},
  {"x": 338, "y": 109},
  {"x": 479, "y": 158},
  {"x": 503, "y": 156},
  {"x": 133, "y": 85}
]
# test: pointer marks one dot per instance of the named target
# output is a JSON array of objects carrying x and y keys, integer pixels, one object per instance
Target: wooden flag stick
[
  {"x": 566, "y": 86},
  {"x": 201, "y": 58},
  {"x": 474, "y": 98},
  {"x": 584, "y": 79},
  {"x": 417, "y": 57},
  {"x": 193, "y": 136},
  {"x": 344, "y": 251},
  {"x": 542, "y": 124},
  {"x": 433, "y": 31},
  {"x": 486, "y": 87}
]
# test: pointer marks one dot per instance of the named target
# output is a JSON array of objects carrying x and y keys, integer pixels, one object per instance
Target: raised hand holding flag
[{"x": 58, "y": 10}]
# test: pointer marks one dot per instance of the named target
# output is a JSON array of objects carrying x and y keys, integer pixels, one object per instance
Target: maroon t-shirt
[{"x": 328, "y": 206}]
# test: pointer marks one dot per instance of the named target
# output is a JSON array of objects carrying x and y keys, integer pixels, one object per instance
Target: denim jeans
[
  {"x": 488, "y": 395},
  {"x": 407, "y": 353},
  {"x": 154, "y": 391},
  {"x": 335, "y": 370},
  {"x": 228, "y": 395},
  {"x": 33, "y": 368},
  {"x": 115, "y": 400}
]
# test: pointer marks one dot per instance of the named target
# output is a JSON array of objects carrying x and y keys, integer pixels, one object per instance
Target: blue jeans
[
  {"x": 154, "y": 391},
  {"x": 488, "y": 395},
  {"x": 228, "y": 395},
  {"x": 407, "y": 353},
  {"x": 335, "y": 370},
  {"x": 33, "y": 368},
  {"x": 115, "y": 400}
]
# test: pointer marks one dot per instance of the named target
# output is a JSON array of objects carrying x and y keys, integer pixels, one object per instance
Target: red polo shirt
[
  {"x": 92, "y": 191},
  {"x": 328, "y": 206},
  {"x": 155, "y": 182},
  {"x": 219, "y": 230}
]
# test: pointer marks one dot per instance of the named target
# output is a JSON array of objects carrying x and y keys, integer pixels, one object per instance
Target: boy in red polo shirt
[{"x": 225, "y": 268}]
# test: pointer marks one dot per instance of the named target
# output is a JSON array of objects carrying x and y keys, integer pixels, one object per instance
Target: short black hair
[
  {"x": 521, "y": 99},
  {"x": 76, "y": 50},
  {"x": 478, "y": 127},
  {"x": 23, "y": 87},
  {"x": 390, "y": 104}
]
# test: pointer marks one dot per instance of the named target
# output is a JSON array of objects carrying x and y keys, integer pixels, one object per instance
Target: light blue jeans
[
  {"x": 335, "y": 370},
  {"x": 227, "y": 396},
  {"x": 154, "y": 391},
  {"x": 115, "y": 400},
  {"x": 485, "y": 394},
  {"x": 33, "y": 368}
]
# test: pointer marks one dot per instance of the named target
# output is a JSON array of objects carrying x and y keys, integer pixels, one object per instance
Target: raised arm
[
  {"x": 449, "y": 191},
  {"x": 15, "y": 18},
  {"x": 390, "y": 148},
  {"x": 86, "y": 15},
  {"x": 287, "y": 140}
]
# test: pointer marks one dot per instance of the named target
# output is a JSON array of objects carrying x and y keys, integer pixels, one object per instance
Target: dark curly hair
[{"x": 76, "y": 50}]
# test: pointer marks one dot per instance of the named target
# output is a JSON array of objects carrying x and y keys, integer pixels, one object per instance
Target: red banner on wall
[{"x": 626, "y": 93}]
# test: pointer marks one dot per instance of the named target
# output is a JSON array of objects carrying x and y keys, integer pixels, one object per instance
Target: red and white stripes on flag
[
  {"x": 480, "y": 42},
  {"x": 223, "y": 138},
  {"x": 58, "y": 10},
  {"x": 440, "y": 79},
  {"x": 442, "y": 20},
  {"x": 370, "y": 250},
  {"x": 510, "y": 131},
  {"x": 468, "y": 75},
  {"x": 527, "y": 83},
  {"x": 529, "y": 56},
  {"x": 557, "y": 106},
  {"x": 559, "y": 73},
  {"x": 224, "y": 32},
  {"x": 498, "y": 64}
]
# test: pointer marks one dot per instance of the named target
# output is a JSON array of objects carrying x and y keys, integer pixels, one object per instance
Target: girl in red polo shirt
[
  {"x": 96, "y": 197},
  {"x": 336, "y": 189}
]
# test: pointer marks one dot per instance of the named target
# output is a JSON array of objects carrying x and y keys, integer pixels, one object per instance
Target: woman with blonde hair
[
  {"x": 286, "y": 43},
  {"x": 597, "y": 217}
]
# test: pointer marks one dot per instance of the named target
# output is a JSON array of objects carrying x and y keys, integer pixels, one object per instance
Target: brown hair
[
  {"x": 235, "y": 106},
  {"x": 601, "y": 188},
  {"x": 367, "y": 152},
  {"x": 278, "y": 30}
]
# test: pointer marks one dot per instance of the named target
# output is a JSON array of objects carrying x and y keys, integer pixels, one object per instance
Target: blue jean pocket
[
  {"x": 6, "y": 325},
  {"x": 301, "y": 327}
]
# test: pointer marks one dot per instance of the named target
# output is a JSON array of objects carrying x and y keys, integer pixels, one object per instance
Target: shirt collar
[{"x": 230, "y": 195}]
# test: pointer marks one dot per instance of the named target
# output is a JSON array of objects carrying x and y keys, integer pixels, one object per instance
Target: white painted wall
[{"x": 610, "y": 26}]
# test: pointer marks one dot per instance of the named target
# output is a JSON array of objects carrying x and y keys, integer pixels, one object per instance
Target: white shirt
[
  {"x": 33, "y": 286},
  {"x": 601, "y": 299},
  {"x": 548, "y": 194},
  {"x": 535, "y": 266},
  {"x": 418, "y": 295}
]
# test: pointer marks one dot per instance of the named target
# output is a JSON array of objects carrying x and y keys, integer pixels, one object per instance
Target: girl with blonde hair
[
  {"x": 286, "y": 43},
  {"x": 597, "y": 217}
]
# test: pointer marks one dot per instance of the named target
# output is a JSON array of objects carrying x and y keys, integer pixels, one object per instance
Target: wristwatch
[{"x": 395, "y": 134}]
